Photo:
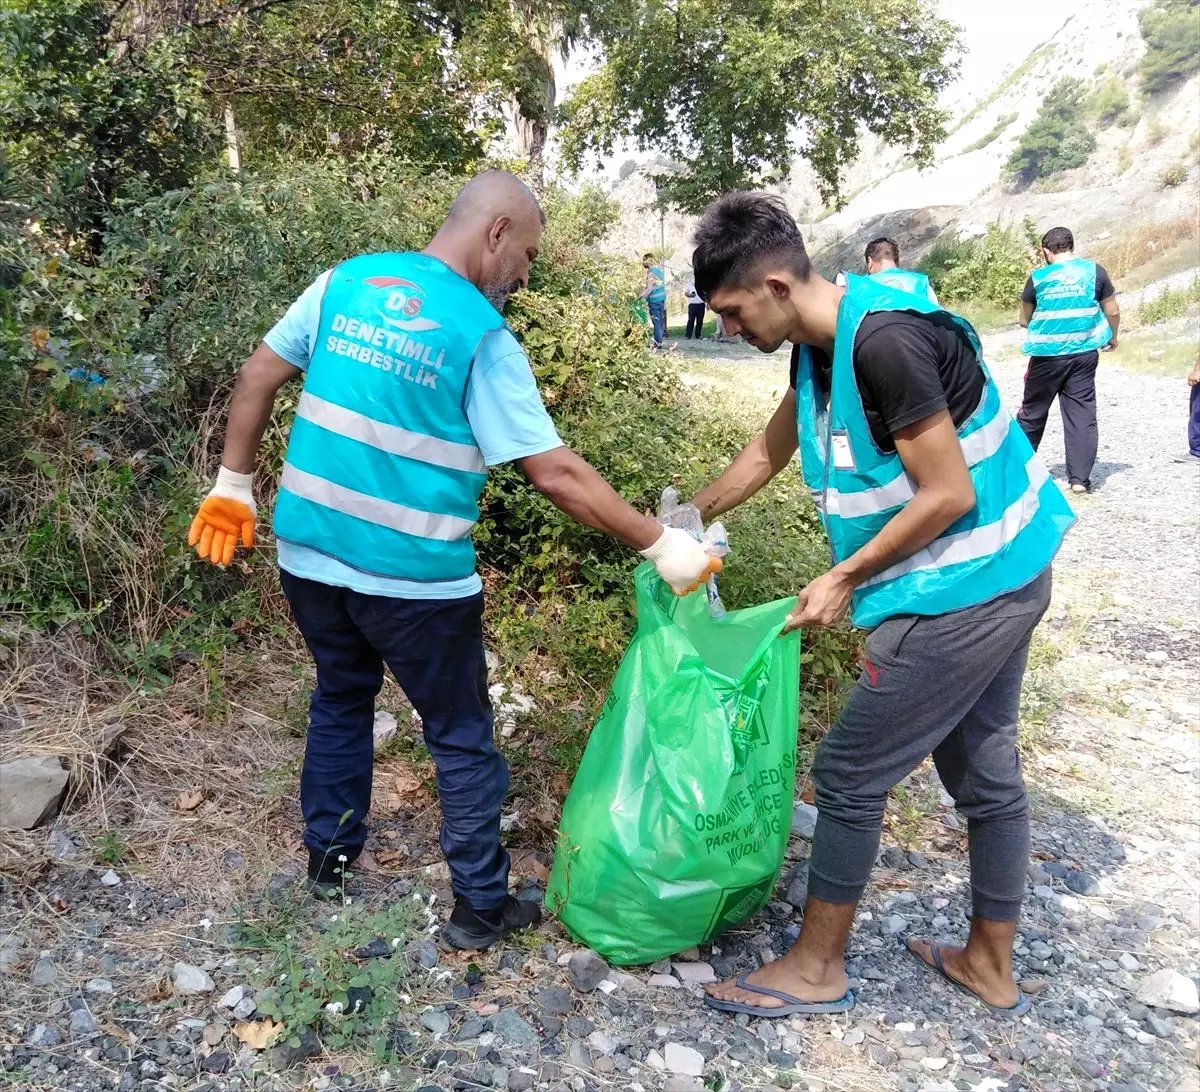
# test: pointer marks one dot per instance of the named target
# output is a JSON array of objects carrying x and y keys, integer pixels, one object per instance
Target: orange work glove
[
  {"x": 681, "y": 560},
  {"x": 228, "y": 511}
]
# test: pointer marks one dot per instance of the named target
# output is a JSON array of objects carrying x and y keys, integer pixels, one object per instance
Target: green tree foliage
[
  {"x": 1002, "y": 123},
  {"x": 735, "y": 90},
  {"x": 85, "y": 115},
  {"x": 1057, "y": 139},
  {"x": 627, "y": 168},
  {"x": 1171, "y": 30},
  {"x": 1110, "y": 103}
]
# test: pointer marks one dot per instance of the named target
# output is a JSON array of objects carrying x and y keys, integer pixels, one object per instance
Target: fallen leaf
[
  {"x": 366, "y": 862},
  {"x": 560, "y": 784},
  {"x": 386, "y": 858},
  {"x": 485, "y": 1008},
  {"x": 258, "y": 1034},
  {"x": 190, "y": 800},
  {"x": 528, "y": 863},
  {"x": 39, "y": 338}
]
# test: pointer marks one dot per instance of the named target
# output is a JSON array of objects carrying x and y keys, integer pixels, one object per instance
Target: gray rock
[
  {"x": 587, "y": 970},
  {"x": 804, "y": 821},
  {"x": 1082, "y": 883},
  {"x": 44, "y": 972},
  {"x": 854, "y": 1037},
  {"x": 110, "y": 879},
  {"x": 781, "y": 1058},
  {"x": 98, "y": 985},
  {"x": 45, "y": 1035},
  {"x": 435, "y": 1021},
  {"x": 602, "y": 1043},
  {"x": 83, "y": 1024},
  {"x": 1040, "y": 950},
  {"x": 231, "y": 998},
  {"x": 555, "y": 1000},
  {"x": 244, "y": 1009},
  {"x": 1128, "y": 962},
  {"x": 33, "y": 788},
  {"x": 513, "y": 1028},
  {"x": 285, "y": 1056},
  {"x": 683, "y": 1060},
  {"x": 917, "y": 860},
  {"x": 796, "y": 885},
  {"x": 190, "y": 980},
  {"x": 894, "y": 924},
  {"x": 893, "y": 857},
  {"x": 422, "y": 953},
  {"x": 1159, "y": 1026},
  {"x": 1037, "y": 874},
  {"x": 62, "y": 845},
  {"x": 520, "y": 1082},
  {"x": 1168, "y": 989}
]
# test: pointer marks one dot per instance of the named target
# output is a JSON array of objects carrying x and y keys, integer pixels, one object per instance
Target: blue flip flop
[
  {"x": 1009, "y": 1012},
  {"x": 792, "y": 1006}
]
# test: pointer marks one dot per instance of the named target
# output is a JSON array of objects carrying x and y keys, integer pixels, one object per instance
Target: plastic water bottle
[{"x": 716, "y": 542}]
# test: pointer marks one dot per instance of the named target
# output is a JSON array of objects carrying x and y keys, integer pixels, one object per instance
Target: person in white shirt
[{"x": 695, "y": 311}]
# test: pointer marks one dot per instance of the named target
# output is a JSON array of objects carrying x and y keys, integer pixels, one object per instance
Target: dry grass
[{"x": 1155, "y": 250}]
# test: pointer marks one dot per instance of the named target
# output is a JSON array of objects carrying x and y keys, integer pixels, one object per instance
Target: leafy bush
[
  {"x": 1171, "y": 30},
  {"x": 1057, "y": 139},
  {"x": 1110, "y": 104},
  {"x": 1156, "y": 131},
  {"x": 989, "y": 270},
  {"x": 1174, "y": 175},
  {"x": 1169, "y": 303},
  {"x": 1124, "y": 159},
  {"x": 627, "y": 168},
  {"x": 1002, "y": 123}
]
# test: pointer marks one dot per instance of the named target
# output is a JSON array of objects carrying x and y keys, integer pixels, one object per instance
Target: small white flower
[
  {"x": 205, "y": 923},
  {"x": 335, "y": 1007},
  {"x": 397, "y": 941},
  {"x": 342, "y": 858}
]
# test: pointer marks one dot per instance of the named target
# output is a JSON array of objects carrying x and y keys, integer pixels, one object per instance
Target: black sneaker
[
  {"x": 476, "y": 929},
  {"x": 325, "y": 879}
]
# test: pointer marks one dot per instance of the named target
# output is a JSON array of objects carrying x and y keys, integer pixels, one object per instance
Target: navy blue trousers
[{"x": 434, "y": 648}]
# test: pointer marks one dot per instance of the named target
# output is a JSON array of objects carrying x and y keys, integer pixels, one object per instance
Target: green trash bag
[{"x": 677, "y": 821}]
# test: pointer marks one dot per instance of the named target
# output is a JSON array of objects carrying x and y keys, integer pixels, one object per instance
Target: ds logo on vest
[{"x": 402, "y": 305}]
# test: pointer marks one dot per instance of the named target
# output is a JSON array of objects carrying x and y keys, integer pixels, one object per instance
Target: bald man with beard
[{"x": 412, "y": 387}]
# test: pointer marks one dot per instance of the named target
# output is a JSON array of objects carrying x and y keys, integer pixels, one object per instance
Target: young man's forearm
[
  {"x": 1113, "y": 314},
  {"x": 750, "y": 470},
  {"x": 913, "y": 528},
  {"x": 250, "y": 407}
]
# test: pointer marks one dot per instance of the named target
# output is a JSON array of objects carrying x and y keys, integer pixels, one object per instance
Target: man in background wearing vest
[
  {"x": 916, "y": 467},
  {"x": 413, "y": 386},
  {"x": 882, "y": 258},
  {"x": 655, "y": 295},
  {"x": 1071, "y": 311}
]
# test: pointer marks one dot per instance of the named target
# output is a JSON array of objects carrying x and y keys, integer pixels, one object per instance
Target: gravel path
[{"x": 1109, "y": 946}]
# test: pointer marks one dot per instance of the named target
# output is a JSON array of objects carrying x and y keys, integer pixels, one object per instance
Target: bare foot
[
  {"x": 995, "y": 987},
  {"x": 781, "y": 975}
]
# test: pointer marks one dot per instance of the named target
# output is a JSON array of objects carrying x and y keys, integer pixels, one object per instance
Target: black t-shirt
[
  {"x": 908, "y": 367},
  {"x": 1104, "y": 287}
]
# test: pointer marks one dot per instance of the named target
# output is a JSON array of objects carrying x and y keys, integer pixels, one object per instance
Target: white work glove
[
  {"x": 225, "y": 514},
  {"x": 681, "y": 560}
]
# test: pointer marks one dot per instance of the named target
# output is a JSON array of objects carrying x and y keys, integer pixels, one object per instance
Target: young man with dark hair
[
  {"x": 655, "y": 295},
  {"x": 882, "y": 258},
  {"x": 1071, "y": 311},
  {"x": 943, "y": 524}
]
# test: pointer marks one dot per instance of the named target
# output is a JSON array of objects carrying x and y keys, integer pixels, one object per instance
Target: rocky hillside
[{"x": 1119, "y": 188}]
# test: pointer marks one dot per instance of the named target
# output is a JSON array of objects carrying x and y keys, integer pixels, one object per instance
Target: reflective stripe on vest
[
  {"x": 1066, "y": 318},
  {"x": 1006, "y": 540},
  {"x": 383, "y": 472},
  {"x": 907, "y": 280}
]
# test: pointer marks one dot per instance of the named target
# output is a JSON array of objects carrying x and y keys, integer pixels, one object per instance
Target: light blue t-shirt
[{"x": 505, "y": 412}]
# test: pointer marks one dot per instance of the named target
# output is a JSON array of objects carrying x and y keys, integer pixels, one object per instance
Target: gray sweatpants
[{"x": 949, "y": 685}]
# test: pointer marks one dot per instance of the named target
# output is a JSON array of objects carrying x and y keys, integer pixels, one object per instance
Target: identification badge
[{"x": 843, "y": 457}]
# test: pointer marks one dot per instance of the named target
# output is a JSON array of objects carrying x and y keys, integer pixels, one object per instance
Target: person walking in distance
[
  {"x": 882, "y": 258},
  {"x": 1070, "y": 310},
  {"x": 915, "y": 465},
  {"x": 655, "y": 295},
  {"x": 695, "y": 311},
  {"x": 412, "y": 387}
]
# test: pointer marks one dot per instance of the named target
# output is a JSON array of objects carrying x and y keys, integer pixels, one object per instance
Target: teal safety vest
[
  {"x": 383, "y": 472},
  {"x": 907, "y": 280},
  {"x": 658, "y": 294},
  {"x": 1005, "y": 541},
  {"x": 1066, "y": 319}
]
